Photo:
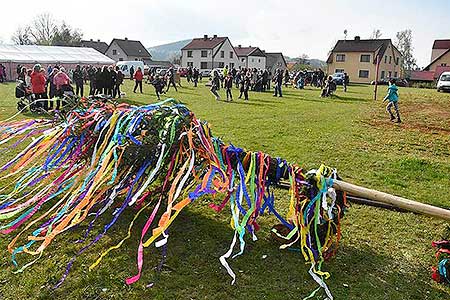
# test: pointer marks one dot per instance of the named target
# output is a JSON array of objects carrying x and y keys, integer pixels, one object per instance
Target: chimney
[
  {"x": 215, "y": 36},
  {"x": 205, "y": 37},
  {"x": 357, "y": 38},
  {"x": 126, "y": 39}
]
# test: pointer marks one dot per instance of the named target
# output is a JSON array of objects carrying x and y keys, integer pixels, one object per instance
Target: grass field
[{"x": 383, "y": 254}]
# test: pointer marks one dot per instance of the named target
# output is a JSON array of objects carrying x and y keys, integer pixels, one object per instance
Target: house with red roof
[
  {"x": 365, "y": 60},
  {"x": 208, "y": 53},
  {"x": 440, "y": 63},
  {"x": 440, "y": 57}
]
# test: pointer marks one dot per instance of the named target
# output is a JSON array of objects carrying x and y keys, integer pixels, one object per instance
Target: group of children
[{"x": 244, "y": 85}]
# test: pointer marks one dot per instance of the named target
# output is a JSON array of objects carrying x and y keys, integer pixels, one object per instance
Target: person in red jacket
[
  {"x": 38, "y": 87},
  {"x": 138, "y": 77}
]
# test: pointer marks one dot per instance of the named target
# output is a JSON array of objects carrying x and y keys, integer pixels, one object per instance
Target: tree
[
  {"x": 22, "y": 36},
  {"x": 404, "y": 45},
  {"x": 303, "y": 59},
  {"x": 376, "y": 34},
  {"x": 66, "y": 36},
  {"x": 43, "y": 29}
]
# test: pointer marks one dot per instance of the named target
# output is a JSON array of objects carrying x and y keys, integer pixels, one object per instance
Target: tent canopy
[{"x": 52, "y": 54}]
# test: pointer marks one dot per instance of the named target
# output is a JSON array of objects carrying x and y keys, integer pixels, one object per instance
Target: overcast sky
[{"x": 291, "y": 26}]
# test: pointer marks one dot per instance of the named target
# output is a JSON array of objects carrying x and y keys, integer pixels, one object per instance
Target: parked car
[
  {"x": 125, "y": 66},
  {"x": 338, "y": 78},
  {"x": 205, "y": 73},
  {"x": 444, "y": 82},
  {"x": 161, "y": 72}
]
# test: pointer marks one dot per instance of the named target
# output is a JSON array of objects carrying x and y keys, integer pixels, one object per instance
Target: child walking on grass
[{"x": 392, "y": 97}]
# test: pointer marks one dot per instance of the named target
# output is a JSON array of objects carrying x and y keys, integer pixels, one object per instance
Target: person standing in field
[
  {"x": 2, "y": 73},
  {"x": 132, "y": 73},
  {"x": 117, "y": 83},
  {"x": 138, "y": 77},
  {"x": 215, "y": 84},
  {"x": 278, "y": 80},
  {"x": 79, "y": 81},
  {"x": 91, "y": 76},
  {"x": 38, "y": 87},
  {"x": 228, "y": 86},
  {"x": 171, "y": 79},
  {"x": 392, "y": 97},
  {"x": 346, "y": 81},
  {"x": 195, "y": 75},
  {"x": 287, "y": 78}
]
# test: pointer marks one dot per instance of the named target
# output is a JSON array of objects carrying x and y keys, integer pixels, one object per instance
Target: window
[
  {"x": 204, "y": 53},
  {"x": 385, "y": 59},
  {"x": 339, "y": 71},
  {"x": 203, "y": 65},
  {"x": 390, "y": 59},
  {"x": 340, "y": 57},
  {"x": 383, "y": 74},
  {"x": 390, "y": 74},
  {"x": 221, "y": 64},
  {"x": 222, "y": 54},
  {"x": 396, "y": 61},
  {"x": 443, "y": 65},
  {"x": 114, "y": 52},
  {"x": 190, "y": 64},
  {"x": 363, "y": 74},
  {"x": 253, "y": 60},
  {"x": 231, "y": 64},
  {"x": 259, "y": 60},
  {"x": 189, "y": 53},
  {"x": 365, "y": 58},
  {"x": 395, "y": 74},
  {"x": 121, "y": 59},
  {"x": 231, "y": 54},
  {"x": 243, "y": 60}
]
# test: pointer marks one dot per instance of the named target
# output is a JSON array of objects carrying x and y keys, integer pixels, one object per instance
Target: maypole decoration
[{"x": 100, "y": 160}]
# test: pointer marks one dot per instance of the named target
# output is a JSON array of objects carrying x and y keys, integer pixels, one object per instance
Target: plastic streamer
[
  {"x": 100, "y": 160},
  {"x": 441, "y": 273}
]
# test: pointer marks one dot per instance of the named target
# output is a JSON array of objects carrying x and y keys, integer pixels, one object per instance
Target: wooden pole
[
  {"x": 396, "y": 201},
  {"x": 376, "y": 78}
]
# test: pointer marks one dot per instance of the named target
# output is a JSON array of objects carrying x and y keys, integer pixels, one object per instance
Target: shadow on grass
[{"x": 198, "y": 238}]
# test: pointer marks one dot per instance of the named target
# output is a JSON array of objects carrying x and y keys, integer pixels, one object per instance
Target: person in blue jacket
[{"x": 392, "y": 97}]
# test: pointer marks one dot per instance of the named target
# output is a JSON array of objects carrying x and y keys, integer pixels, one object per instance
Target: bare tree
[
  {"x": 404, "y": 45},
  {"x": 22, "y": 36},
  {"x": 43, "y": 29},
  {"x": 376, "y": 34}
]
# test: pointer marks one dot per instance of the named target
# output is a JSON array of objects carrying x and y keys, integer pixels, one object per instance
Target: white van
[
  {"x": 444, "y": 82},
  {"x": 125, "y": 66}
]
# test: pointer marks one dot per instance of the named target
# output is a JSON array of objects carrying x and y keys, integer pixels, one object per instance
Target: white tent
[{"x": 51, "y": 55}]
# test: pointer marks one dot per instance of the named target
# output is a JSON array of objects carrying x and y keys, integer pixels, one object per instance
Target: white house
[
  {"x": 208, "y": 53},
  {"x": 124, "y": 50},
  {"x": 251, "y": 57}
]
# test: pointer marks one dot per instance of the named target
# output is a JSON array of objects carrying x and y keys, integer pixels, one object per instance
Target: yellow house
[
  {"x": 363, "y": 59},
  {"x": 440, "y": 56}
]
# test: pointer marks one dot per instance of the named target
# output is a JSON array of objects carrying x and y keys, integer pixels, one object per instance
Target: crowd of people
[{"x": 44, "y": 84}]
